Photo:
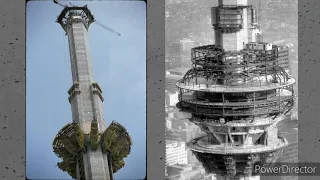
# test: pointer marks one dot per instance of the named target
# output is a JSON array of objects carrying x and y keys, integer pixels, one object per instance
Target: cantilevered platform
[
  {"x": 230, "y": 89},
  {"x": 202, "y": 145}
]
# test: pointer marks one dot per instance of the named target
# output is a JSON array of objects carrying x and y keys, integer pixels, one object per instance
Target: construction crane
[{"x": 98, "y": 23}]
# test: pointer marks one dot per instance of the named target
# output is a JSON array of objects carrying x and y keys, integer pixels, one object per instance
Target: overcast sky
[{"x": 119, "y": 65}]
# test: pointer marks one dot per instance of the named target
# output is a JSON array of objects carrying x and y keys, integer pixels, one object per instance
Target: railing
[
  {"x": 258, "y": 102},
  {"x": 221, "y": 149},
  {"x": 245, "y": 87},
  {"x": 247, "y": 122},
  {"x": 243, "y": 64},
  {"x": 240, "y": 123},
  {"x": 204, "y": 54},
  {"x": 215, "y": 112},
  {"x": 212, "y": 49},
  {"x": 247, "y": 75}
]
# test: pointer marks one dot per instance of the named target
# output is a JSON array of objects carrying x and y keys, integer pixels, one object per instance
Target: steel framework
[{"x": 237, "y": 98}]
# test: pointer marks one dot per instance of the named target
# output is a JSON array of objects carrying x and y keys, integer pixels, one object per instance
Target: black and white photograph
[{"x": 231, "y": 88}]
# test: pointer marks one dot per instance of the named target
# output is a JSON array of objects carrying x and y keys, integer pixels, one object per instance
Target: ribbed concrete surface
[{"x": 86, "y": 106}]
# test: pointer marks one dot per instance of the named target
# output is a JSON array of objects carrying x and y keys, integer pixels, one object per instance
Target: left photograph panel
[{"x": 86, "y": 90}]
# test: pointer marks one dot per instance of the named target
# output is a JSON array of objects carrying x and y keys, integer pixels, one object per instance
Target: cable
[{"x": 107, "y": 28}]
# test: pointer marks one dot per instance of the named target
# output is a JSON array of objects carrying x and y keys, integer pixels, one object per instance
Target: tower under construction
[
  {"x": 89, "y": 150},
  {"x": 237, "y": 91}
]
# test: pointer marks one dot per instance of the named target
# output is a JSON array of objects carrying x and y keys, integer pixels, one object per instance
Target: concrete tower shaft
[
  {"x": 85, "y": 99},
  {"x": 88, "y": 149},
  {"x": 233, "y": 22},
  {"x": 86, "y": 105},
  {"x": 85, "y": 95}
]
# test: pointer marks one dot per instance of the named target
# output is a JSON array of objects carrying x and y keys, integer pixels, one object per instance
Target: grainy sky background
[{"x": 119, "y": 65}]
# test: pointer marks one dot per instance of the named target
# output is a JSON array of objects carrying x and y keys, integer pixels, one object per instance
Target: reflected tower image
[
  {"x": 237, "y": 91},
  {"x": 89, "y": 150}
]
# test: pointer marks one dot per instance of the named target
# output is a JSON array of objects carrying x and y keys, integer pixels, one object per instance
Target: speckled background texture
[
  {"x": 12, "y": 87},
  {"x": 12, "y": 90},
  {"x": 309, "y": 82},
  {"x": 155, "y": 89}
]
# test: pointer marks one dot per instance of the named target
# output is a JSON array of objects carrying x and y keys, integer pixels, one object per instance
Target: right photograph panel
[{"x": 231, "y": 88}]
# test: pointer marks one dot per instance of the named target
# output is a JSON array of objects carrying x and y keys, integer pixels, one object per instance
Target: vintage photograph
[
  {"x": 86, "y": 84},
  {"x": 231, "y": 88}
]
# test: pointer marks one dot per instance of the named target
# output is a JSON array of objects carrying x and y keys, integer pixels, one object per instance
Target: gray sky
[{"x": 119, "y": 65}]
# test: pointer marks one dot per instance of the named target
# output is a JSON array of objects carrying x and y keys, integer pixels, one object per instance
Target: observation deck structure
[{"x": 236, "y": 92}]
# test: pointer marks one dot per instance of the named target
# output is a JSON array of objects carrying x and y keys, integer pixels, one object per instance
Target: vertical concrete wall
[
  {"x": 96, "y": 165},
  {"x": 230, "y": 42},
  {"x": 233, "y": 2},
  {"x": 218, "y": 38},
  {"x": 241, "y": 37},
  {"x": 229, "y": 2},
  {"x": 85, "y": 106},
  {"x": 272, "y": 138},
  {"x": 98, "y": 110}
]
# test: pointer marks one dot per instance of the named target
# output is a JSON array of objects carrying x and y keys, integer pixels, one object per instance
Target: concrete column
[
  {"x": 234, "y": 41},
  {"x": 242, "y": 35},
  {"x": 218, "y": 37},
  {"x": 96, "y": 165},
  {"x": 85, "y": 106}
]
